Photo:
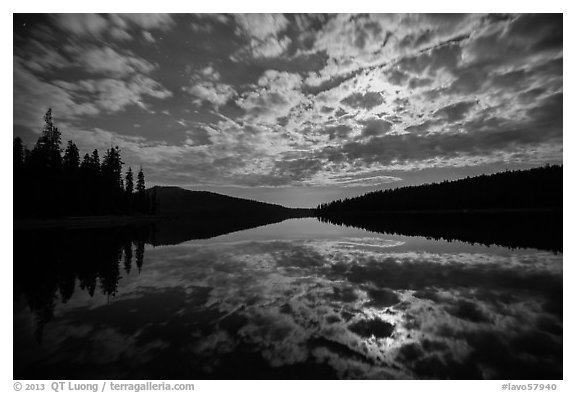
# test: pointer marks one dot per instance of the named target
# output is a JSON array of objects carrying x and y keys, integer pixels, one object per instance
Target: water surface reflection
[{"x": 296, "y": 299}]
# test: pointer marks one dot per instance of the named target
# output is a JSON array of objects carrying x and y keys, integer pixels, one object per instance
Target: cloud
[
  {"x": 40, "y": 57},
  {"x": 148, "y": 37},
  {"x": 280, "y": 81},
  {"x": 416, "y": 83},
  {"x": 277, "y": 95},
  {"x": 117, "y": 26},
  {"x": 108, "y": 62},
  {"x": 296, "y": 170},
  {"x": 32, "y": 97},
  {"x": 348, "y": 36},
  {"x": 85, "y": 57},
  {"x": 406, "y": 148},
  {"x": 120, "y": 34},
  {"x": 82, "y": 24},
  {"x": 145, "y": 21},
  {"x": 303, "y": 99},
  {"x": 455, "y": 112},
  {"x": 338, "y": 132},
  {"x": 206, "y": 87},
  {"x": 362, "y": 180},
  {"x": 422, "y": 128},
  {"x": 366, "y": 100},
  {"x": 374, "y": 127},
  {"x": 271, "y": 47},
  {"x": 260, "y": 26},
  {"x": 444, "y": 57},
  {"x": 468, "y": 81},
  {"x": 524, "y": 37},
  {"x": 112, "y": 95},
  {"x": 397, "y": 77},
  {"x": 263, "y": 33},
  {"x": 216, "y": 93},
  {"x": 549, "y": 111}
]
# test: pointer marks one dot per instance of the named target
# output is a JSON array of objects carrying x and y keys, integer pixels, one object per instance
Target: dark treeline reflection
[
  {"x": 50, "y": 265},
  {"x": 541, "y": 230},
  {"x": 173, "y": 231},
  {"x": 512, "y": 209}
]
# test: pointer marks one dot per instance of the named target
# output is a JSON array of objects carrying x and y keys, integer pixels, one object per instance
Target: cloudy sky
[{"x": 296, "y": 109}]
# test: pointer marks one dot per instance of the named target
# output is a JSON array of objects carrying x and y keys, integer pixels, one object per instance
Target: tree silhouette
[
  {"x": 140, "y": 192},
  {"x": 20, "y": 178},
  {"x": 129, "y": 182},
  {"x": 128, "y": 256},
  {"x": 86, "y": 162},
  {"x": 140, "y": 184},
  {"x": 112, "y": 169},
  {"x": 48, "y": 272},
  {"x": 47, "y": 151},
  {"x": 140, "y": 247},
  {"x": 49, "y": 184},
  {"x": 71, "y": 160},
  {"x": 129, "y": 190},
  {"x": 18, "y": 155},
  {"x": 95, "y": 161}
]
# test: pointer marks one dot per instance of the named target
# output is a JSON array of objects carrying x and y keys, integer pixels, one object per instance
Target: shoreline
[
  {"x": 88, "y": 222},
  {"x": 96, "y": 222},
  {"x": 445, "y": 211}
]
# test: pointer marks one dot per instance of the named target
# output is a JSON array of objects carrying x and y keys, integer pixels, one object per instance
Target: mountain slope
[{"x": 178, "y": 202}]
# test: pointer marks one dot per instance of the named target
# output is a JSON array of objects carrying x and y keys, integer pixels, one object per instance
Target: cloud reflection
[{"x": 356, "y": 307}]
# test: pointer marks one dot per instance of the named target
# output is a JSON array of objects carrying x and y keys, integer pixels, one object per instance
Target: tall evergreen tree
[
  {"x": 140, "y": 184},
  {"x": 71, "y": 160},
  {"x": 47, "y": 151},
  {"x": 112, "y": 168},
  {"x": 70, "y": 197},
  {"x": 129, "y": 182},
  {"x": 86, "y": 162},
  {"x": 19, "y": 180},
  {"x": 140, "y": 191},
  {"x": 91, "y": 184},
  {"x": 95, "y": 158},
  {"x": 18, "y": 154}
]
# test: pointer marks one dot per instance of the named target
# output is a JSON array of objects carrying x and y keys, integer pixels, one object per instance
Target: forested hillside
[{"x": 537, "y": 188}]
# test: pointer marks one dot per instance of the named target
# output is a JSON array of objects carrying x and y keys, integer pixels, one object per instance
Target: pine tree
[
  {"x": 18, "y": 154},
  {"x": 140, "y": 190},
  {"x": 140, "y": 184},
  {"x": 47, "y": 151},
  {"x": 129, "y": 182},
  {"x": 19, "y": 181},
  {"x": 95, "y": 161},
  {"x": 71, "y": 158},
  {"x": 86, "y": 162},
  {"x": 112, "y": 168}
]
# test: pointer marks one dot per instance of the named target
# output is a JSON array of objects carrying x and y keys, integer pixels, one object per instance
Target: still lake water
[{"x": 297, "y": 299}]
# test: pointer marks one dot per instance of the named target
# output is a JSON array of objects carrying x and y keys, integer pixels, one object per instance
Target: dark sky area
[{"x": 296, "y": 109}]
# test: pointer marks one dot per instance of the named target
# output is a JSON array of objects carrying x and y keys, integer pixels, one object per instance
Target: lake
[{"x": 298, "y": 299}]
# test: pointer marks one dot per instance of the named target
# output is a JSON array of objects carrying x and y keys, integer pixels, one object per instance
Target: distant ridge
[
  {"x": 185, "y": 215},
  {"x": 177, "y": 202}
]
